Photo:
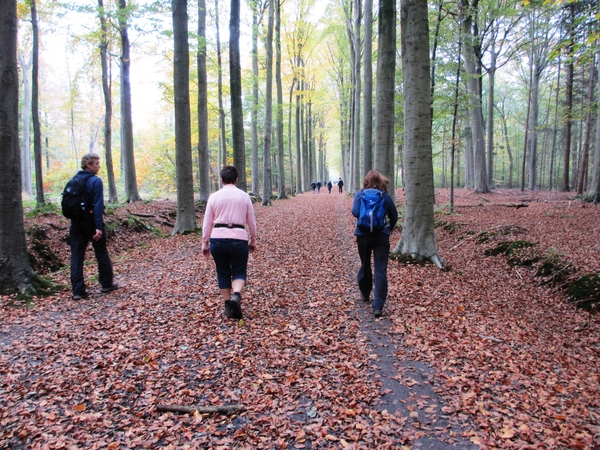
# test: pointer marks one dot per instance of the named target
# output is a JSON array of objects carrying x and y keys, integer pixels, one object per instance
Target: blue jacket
[
  {"x": 95, "y": 196},
  {"x": 390, "y": 210}
]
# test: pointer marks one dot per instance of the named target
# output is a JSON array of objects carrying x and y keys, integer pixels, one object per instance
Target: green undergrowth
[
  {"x": 41, "y": 287},
  {"x": 553, "y": 268}
]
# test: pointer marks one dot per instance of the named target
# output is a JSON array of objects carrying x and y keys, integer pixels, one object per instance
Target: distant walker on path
[{"x": 340, "y": 185}]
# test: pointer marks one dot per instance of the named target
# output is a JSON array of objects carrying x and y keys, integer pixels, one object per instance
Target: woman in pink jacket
[{"x": 224, "y": 236}]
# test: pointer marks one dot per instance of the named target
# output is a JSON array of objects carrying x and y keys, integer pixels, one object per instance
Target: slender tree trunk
[
  {"x": 490, "y": 115},
  {"x": 35, "y": 109},
  {"x": 279, "y": 113},
  {"x": 533, "y": 131},
  {"x": 300, "y": 182},
  {"x": 434, "y": 51},
  {"x": 235, "y": 79},
  {"x": 26, "y": 145},
  {"x": 384, "y": 94},
  {"x": 454, "y": 120},
  {"x": 186, "y": 213},
  {"x": 203, "y": 150},
  {"x": 368, "y": 93},
  {"x": 568, "y": 116},
  {"x": 16, "y": 273},
  {"x": 254, "y": 112},
  {"x": 267, "y": 180},
  {"x": 293, "y": 183},
  {"x": 595, "y": 188},
  {"x": 106, "y": 90},
  {"x": 355, "y": 176},
  {"x": 418, "y": 232},
  {"x": 479, "y": 159},
  {"x": 223, "y": 135},
  {"x": 508, "y": 151},
  {"x": 554, "y": 128},
  {"x": 584, "y": 161},
  {"x": 129, "y": 173}
]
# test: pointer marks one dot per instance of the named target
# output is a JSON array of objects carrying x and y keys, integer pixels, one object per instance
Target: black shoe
[
  {"x": 233, "y": 308},
  {"x": 365, "y": 298},
  {"x": 112, "y": 287},
  {"x": 378, "y": 313},
  {"x": 77, "y": 297}
]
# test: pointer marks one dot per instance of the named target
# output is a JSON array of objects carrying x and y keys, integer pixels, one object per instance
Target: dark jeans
[
  {"x": 231, "y": 260},
  {"x": 79, "y": 236},
  {"x": 379, "y": 246}
]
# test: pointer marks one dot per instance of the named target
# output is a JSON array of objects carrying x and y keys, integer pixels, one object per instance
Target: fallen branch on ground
[{"x": 226, "y": 409}]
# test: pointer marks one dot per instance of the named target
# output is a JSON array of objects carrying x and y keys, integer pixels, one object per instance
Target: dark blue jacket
[
  {"x": 390, "y": 210},
  {"x": 95, "y": 196}
]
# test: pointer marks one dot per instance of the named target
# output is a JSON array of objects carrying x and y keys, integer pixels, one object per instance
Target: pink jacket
[{"x": 229, "y": 205}]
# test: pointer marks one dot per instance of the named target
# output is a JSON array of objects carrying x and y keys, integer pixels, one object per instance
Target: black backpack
[{"x": 73, "y": 201}]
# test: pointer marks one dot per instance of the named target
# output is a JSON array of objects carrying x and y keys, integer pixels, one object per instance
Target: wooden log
[{"x": 225, "y": 409}]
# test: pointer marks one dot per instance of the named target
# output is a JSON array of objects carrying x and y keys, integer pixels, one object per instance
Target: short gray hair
[{"x": 87, "y": 158}]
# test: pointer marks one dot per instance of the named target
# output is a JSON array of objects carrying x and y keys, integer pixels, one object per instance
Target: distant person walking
[
  {"x": 90, "y": 228},
  {"x": 375, "y": 242},
  {"x": 318, "y": 187},
  {"x": 329, "y": 186},
  {"x": 340, "y": 185},
  {"x": 313, "y": 186},
  {"x": 224, "y": 236}
]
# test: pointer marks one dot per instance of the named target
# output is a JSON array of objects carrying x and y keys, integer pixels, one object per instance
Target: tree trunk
[
  {"x": 267, "y": 181},
  {"x": 584, "y": 161},
  {"x": 479, "y": 159},
  {"x": 235, "y": 81},
  {"x": 368, "y": 93},
  {"x": 418, "y": 232},
  {"x": 15, "y": 270},
  {"x": 355, "y": 179},
  {"x": 384, "y": 92},
  {"x": 127, "y": 153},
  {"x": 254, "y": 113},
  {"x": 26, "y": 145},
  {"x": 203, "y": 150},
  {"x": 35, "y": 109},
  {"x": 595, "y": 189},
  {"x": 223, "y": 134},
  {"x": 490, "y": 115},
  {"x": 568, "y": 115},
  {"x": 106, "y": 90},
  {"x": 186, "y": 214},
  {"x": 533, "y": 131},
  {"x": 279, "y": 113}
]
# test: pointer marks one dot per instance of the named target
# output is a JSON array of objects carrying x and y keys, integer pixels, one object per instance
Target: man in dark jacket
[{"x": 90, "y": 228}]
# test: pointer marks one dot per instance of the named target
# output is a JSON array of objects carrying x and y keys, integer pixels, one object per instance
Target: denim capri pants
[{"x": 231, "y": 260}]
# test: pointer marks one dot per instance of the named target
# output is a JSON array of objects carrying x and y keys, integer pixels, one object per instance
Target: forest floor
[{"x": 486, "y": 354}]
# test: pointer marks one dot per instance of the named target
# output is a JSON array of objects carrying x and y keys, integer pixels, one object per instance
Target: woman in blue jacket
[{"x": 374, "y": 240}]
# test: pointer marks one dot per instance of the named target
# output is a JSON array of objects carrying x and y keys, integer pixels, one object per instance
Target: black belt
[{"x": 228, "y": 225}]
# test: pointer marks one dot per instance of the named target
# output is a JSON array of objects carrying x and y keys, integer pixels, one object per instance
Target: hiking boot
[
  {"x": 233, "y": 308},
  {"x": 112, "y": 287},
  {"x": 77, "y": 297},
  {"x": 378, "y": 313},
  {"x": 365, "y": 298}
]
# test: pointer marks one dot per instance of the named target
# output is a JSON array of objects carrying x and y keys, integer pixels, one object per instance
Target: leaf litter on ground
[{"x": 513, "y": 363}]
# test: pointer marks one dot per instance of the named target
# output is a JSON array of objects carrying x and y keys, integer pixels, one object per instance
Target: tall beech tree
[
  {"x": 127, "y": 151},
  {"x": 35, "y": 108},
  {"x": 186, "y": 214},
  {"x": 203, "y": 150},
  {"x": 475, "y": 112},
  {"x": 279, "y": 113},
  {"x": 418, "y": 231},
  {"x": 384, "y": 95},
  {"x": 235, "y": 81},
  {"x": 267, "y": 170},
  {"x": 16, "y": 273},
  {"x": 107, "y": 92}
]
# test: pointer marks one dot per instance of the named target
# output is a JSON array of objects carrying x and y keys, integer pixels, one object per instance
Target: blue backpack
[{"x": 372, "y": 211}]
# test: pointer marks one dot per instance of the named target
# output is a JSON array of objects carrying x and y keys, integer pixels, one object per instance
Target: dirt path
[{"x": 309, "y": 363}]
